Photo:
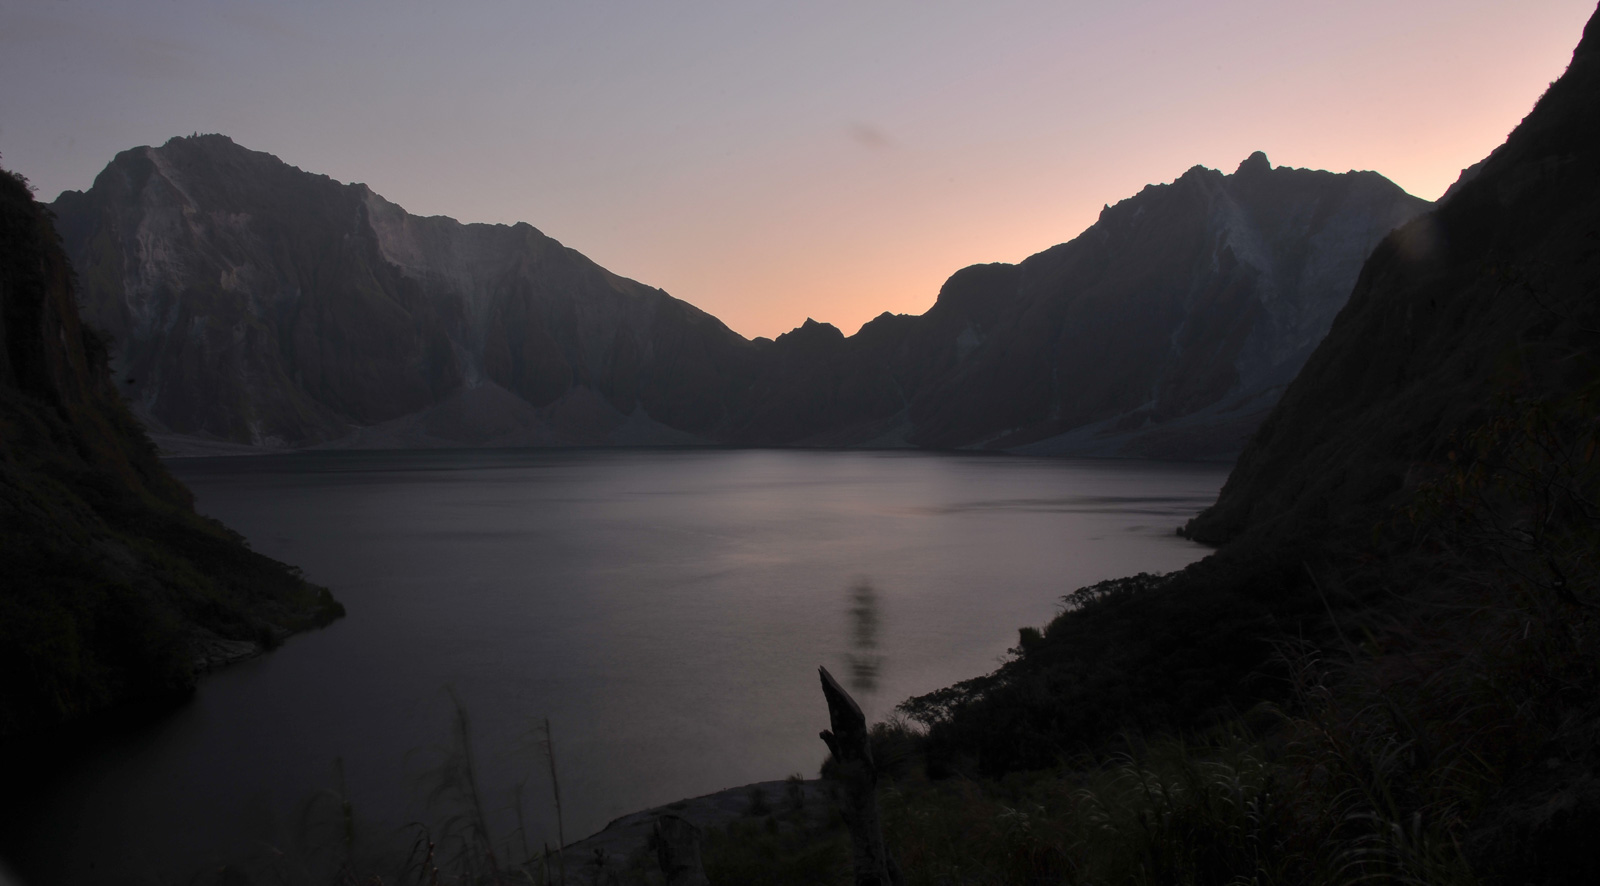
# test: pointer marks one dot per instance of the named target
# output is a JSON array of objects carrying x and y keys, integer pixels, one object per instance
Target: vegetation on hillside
[
  {"x": 113, "y": 587},
  {"x": 1389, "y": 673},
  {"x": 1446, "y": 731}
]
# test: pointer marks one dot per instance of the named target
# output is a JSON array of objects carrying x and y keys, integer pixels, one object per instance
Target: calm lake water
[{"x": 665, "y": 610}]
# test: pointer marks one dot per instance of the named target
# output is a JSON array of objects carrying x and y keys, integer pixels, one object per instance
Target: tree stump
[{"x": 858, "y": 777}]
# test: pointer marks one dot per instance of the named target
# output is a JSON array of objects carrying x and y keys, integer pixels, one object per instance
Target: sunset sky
[{"x": 767, "y": 161}]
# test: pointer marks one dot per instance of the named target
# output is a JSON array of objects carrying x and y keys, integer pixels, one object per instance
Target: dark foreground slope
[
  {"x": 258, "y": 304},
  {"x": 1421, "y": 506},
  {"x": 112, "y": 589},
  {"x": 1490, "y": 298}
]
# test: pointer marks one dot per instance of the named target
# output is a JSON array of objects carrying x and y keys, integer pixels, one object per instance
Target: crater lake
[{"x": 664, "y": 610}]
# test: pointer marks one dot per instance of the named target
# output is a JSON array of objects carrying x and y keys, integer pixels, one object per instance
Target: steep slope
[
  {"x": 255, "y": 303},
  {"x": 1406, "y": 600},
  {"x": 1489, "y": 298},
  {"x": 1433, "y": 470},
  {"x": 1168, "y": 328},
  {"x": 111, "y": 588}
]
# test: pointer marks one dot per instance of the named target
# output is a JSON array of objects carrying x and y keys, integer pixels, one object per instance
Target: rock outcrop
[
  {"x": 1167, "y": 329},
  {"x": 112, "y": 589},
  {"x": 1488, "y": 299},
  {"x": 257, "y": 304},
  {"x": 1409, "y": 537}
]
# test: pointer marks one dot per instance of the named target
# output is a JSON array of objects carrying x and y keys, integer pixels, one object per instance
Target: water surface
[{"x": 665, "y": 610}]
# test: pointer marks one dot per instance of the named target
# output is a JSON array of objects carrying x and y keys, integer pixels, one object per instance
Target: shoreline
[{"x": 622, "y": 849}]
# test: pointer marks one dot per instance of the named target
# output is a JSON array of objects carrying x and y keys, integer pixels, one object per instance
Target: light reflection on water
[{"x": 666, "y": 610}]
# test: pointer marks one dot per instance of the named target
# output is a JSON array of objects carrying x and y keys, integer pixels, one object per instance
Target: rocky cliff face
[
  {"x": 1427, "y": 485},
  {"x": 256, "y": 303},
  {"x": 111, "y": 588},
  {"x": 1166, "y": 329},
  {"x": 1485, "y": 301}
]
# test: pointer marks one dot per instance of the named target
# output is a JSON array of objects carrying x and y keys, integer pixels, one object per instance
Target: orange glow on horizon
[
  {"x": 769, "y": 164},
  {"x": 903, "y": 231}
]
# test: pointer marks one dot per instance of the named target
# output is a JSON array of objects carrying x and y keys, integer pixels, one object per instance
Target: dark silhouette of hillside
[
  {"x": 1491, "y": 296},
  {"x": 1420, "y": 506},
  {"x": 258, "y": 304},
  {"x": 112, "y": 589}
]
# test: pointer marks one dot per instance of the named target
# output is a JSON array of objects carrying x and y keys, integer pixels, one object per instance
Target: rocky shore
[{"x": 621, "y": 854}]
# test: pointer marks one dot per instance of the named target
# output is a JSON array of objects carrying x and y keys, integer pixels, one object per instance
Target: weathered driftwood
[
  {"x": 677, "y": 845},
  {"x": 858, "y": 778}
]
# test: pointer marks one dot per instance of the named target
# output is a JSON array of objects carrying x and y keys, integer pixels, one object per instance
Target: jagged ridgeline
[
  {"x": 1488, "y": 300},
  {"x": 1461, "y": 379},
  {"x": 258, "y": 304},
  {"x": 112, "y": 589}
]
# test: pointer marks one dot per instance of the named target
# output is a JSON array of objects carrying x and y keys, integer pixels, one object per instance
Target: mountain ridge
[
  {"x": 1405, "y": 585},
  {"x": 1508, "y": 244},
  {"x": 310, "y": 275},
  {"x": 258, "y": 304},
  {"x": 116, "y": 592}
]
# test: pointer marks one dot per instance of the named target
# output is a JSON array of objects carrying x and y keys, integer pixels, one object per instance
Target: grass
[
  {"x": 110, "y": 577},
  {"x": 328, "y": 843},
  {"x": 1441, "y": 732},
  {"x": 1417, "y": 706},
  {"x": 761, "y": 852},
  {"x": 1385, "y": 767},
  {"x": 1445, "y": 730}
]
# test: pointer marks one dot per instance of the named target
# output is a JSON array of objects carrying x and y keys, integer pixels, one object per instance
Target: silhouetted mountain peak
[
  {"x": 1486, "y": 299},
  {"x": 812, "y": 331},
  {"x": 115, "y": 590},
  {"x": 978, "y": 291},
  {"x": 1200, "y": 297},
  {"x": 206, "y": 140},
  {"x": 1202, "y": 293},
  {"x": 1255, "y": 164},
  {"x": 264, "y": 266}
]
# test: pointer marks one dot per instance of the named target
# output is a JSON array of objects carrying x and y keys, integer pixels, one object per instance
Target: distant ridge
[
  {"x": 1167, "y": 329},
  {"x": 256, "y": 304}
]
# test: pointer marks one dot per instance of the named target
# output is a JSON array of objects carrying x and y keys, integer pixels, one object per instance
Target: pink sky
[{"x": 772, "y": 162}]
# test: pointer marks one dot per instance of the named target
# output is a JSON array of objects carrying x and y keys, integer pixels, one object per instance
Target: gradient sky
[{"x": 769, "y": 161}]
